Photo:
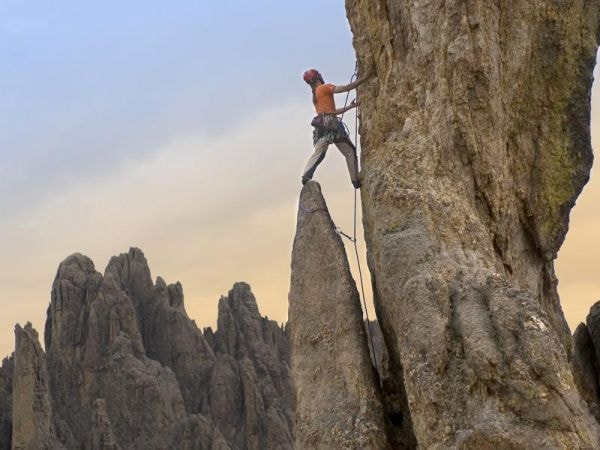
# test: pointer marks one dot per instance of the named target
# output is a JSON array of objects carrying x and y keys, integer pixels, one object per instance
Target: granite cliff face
[
  {"x": 125, "y": 368},
  {"x": 475, "y": 145}
]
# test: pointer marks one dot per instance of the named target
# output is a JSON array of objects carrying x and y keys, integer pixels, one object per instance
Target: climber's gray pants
[{"x": 347, "y": 149}]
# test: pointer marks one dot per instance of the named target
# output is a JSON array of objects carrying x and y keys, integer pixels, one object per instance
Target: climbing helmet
[{"x": 310, "y": 75}]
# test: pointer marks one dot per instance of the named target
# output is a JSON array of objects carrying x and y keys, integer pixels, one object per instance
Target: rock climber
[{"x": 328, "y": 128}]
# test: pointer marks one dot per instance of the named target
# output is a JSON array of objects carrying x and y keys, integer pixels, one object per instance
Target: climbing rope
[
  {"x": 352, "y": 78},
  {"x": 353, "y": 237}
]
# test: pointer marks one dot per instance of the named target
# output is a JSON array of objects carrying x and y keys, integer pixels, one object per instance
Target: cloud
[
  {"x": 83, "y": 89},
  {"x": 167, "y": 130},
  {"x": 207, "y": 211}
]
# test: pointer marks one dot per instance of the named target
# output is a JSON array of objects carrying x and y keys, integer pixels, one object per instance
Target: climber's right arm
[{"x": 348, "y": 87}]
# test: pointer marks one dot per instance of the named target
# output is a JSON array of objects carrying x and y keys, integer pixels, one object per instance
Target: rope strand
[{"x": 353, "y": 238}]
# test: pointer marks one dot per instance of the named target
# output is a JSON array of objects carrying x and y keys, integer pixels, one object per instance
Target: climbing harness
[{"x": 353, "y": 237}]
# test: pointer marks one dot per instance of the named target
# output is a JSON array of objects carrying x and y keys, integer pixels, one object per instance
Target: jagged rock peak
[
  {"x": 585, "y": 368},
  {"x": 33, "y": 417},
  {"x": 586, "y": 359},
  {"x": 6, "y": 386},
  {"x": 238, "y": 317},
  {"x": 252, "y": 368},
  {"x": 127, "y": 368},
  {"x": 131, "y": 268},
  {"x": 242, "y": 300},
  {"x": 76, "y": 282},
  {"x": 96, "y": 351},
  {"x": 593, "y": 326},
  {"x": 338, "y": 403}
]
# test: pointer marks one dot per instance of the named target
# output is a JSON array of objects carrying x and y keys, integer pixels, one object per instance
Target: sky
[{"x": 180, "y": 128}]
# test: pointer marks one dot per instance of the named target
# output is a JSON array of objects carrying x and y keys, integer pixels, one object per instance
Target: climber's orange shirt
[{"x": 325, "y": 102}]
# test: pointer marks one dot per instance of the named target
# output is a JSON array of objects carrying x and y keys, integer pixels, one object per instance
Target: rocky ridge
[{"x": 125, "y": 367}]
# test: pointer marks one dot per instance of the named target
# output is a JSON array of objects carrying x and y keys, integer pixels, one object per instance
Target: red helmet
[{"x": 310, "y": 75}]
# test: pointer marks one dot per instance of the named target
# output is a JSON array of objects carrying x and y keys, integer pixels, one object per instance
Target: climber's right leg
[
  {"x": 349, "y": 151},
  {"x": 315, "y": 159}
]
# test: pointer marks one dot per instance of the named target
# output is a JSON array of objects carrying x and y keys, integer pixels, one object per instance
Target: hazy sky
[{"x": 180, "y": 128}]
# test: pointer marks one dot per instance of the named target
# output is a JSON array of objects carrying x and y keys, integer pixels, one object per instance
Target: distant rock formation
[
  {"x": 586, "y": 360},
  {"x": 585, "y": 369},
  {"x": 250, "y": 392},
  {"x": 338, "y": 401},
  {"x": 34, "y": 423},
  {"x": 168, "y": 334},
  {"x": 6, "y": 385},
  {"x": 125, "y": 368}
]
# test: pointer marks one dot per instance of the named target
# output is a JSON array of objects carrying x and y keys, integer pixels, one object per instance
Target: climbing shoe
[
  {"x": 356, "y": 184},
  {"x": 305, "y": 180}
]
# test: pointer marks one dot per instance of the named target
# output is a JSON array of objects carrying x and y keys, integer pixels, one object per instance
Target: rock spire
[{"x": 338, "y": 401}]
